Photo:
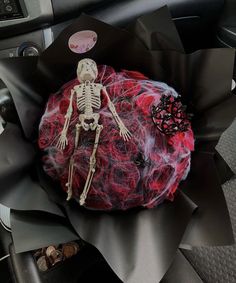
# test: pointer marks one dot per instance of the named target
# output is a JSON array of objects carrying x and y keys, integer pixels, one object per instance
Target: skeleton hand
[
  {"x": 62, "y": 141},
  {"x": 124, "y": 132}
]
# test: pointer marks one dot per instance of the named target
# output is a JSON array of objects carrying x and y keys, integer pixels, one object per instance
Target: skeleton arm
[
  {"x": 63, "y": 141},
  {"x": 124, "y": 132}
]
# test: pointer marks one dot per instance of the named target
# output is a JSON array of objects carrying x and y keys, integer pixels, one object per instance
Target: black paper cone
[{"x": 139, "y": 245}]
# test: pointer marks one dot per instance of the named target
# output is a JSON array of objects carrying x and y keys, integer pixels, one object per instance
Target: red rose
[
  {"x": 123, "y": 87},
  {"x": 120, "y": 150},
  {"x": 75, "y": 184},
  {"x": 55, "y": 164},
  {"x": 134, "y": 199},
  {"x": 43, "y": 142},
  {"x": 53, "y": 102},
  {"x": 64, "y": 104},
  {"x": 183, "y": 166},
  {"x": 81, "y": 159},
  {"x": 104, "y": 100},
  {"x": 156, "y": 157},
  {"x": 134, "y": 75},
  {"x": 189, "y": 139},
  {"x": 81, "y": 170},
  {"x": 144, "y": 102},
  {"x": 159, "y": 178},
  {"x": 182, "y": 169},
  {"x": 45, "y": 134},
  {"x": 67, "y": 152},
  {"x": 114, "y": 89},
  {"x": 159, "y": 88},
  {"x": 48, "y": 166},
  {"x": 59, "y": 159},
  {"x": 137, "y": 130},
  {"x": 124, "y": 106},
  {"x": 106, "y": 75},
  {"x": 157, "y": 185},
  {"x": 140, "y": 130},
  {"x": 123, "y": 178},
  {"x": 66, "y": 88},
  {"x": 182, "y": 141},
  {"x": 102, "y": 167},
  {"x": 98, "y": 199},
  {"x": 172, "y": 190},
  {"x": 130, "y": 88}
]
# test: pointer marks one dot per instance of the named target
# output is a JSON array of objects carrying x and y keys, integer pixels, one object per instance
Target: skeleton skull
[{"x": 87, "y": 70}]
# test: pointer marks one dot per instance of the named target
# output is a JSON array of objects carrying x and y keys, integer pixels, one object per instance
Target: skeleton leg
[
  {"x": 70, "y": 179},
  {"x": 92, "y": 166},
  {"x": 71, "y": 166}
]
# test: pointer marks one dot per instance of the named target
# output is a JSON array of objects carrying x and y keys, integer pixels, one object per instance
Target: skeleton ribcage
[{"x": 88, "y": 98}]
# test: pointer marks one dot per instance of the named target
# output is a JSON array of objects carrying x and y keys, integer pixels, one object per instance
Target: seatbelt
[
  {"x": 233, "y": 85},
  {"x": 5, "y": 217},
  {"x": 1, "y": 125}
]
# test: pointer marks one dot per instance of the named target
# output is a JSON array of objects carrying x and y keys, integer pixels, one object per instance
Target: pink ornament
[{"x": 82, "y": 41}]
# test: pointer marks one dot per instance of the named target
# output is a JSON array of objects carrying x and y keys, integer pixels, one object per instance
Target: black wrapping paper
[
  {"x": 139, "y": 245},
  {"x": 16, "y": 157},
  {"x": 157, "y": 31},
  {"x": 143, "y": 234},
  {"x": 17, "y": 75},
  {"x": 203, "y": 187},
  {"x": 32, "y": 230}
]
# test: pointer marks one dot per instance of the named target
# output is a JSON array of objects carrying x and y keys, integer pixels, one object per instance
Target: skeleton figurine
[{"x": 88, "y": 98}]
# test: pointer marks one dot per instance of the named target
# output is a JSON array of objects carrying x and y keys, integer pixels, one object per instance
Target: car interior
[{"x": 28, "y": 27}]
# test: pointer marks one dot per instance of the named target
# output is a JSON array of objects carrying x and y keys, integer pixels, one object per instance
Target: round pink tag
[{"x": 82, "y": 41}]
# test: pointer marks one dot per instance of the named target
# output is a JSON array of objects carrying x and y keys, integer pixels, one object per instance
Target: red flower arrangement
[{"x": 141, "y": 172}]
